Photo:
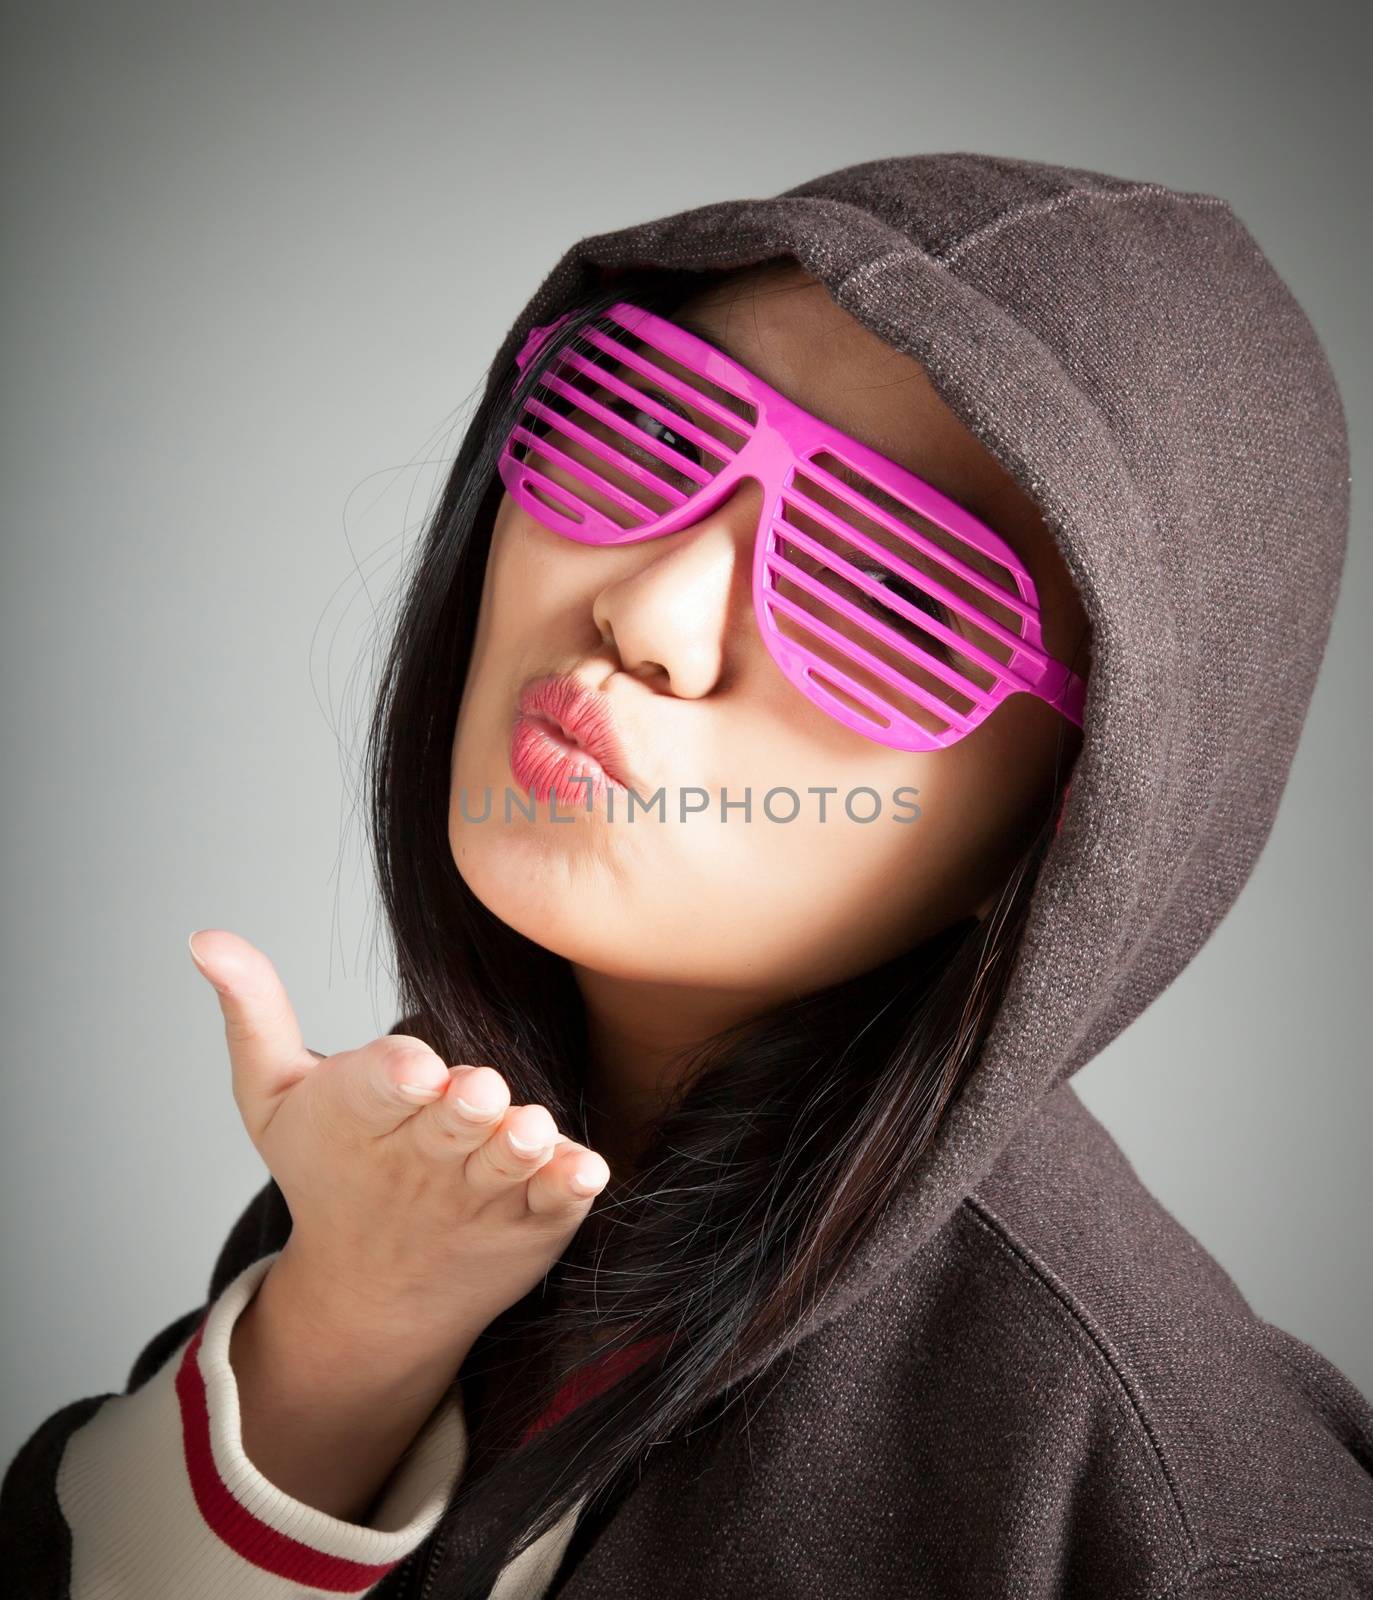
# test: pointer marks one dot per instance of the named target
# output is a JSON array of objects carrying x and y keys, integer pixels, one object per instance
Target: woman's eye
[
  {"x": 904, "y": 591},
  {"x": 656, "y": 428}
]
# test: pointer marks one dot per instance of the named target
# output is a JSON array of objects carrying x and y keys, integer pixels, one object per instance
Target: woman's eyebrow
[{"x": 688, "y": 322}]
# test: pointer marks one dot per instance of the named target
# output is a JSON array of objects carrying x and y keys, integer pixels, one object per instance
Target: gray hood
[{"x": 1135, "y": 362}]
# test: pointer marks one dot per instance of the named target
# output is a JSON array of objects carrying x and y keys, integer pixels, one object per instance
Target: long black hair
[{"x": 787, "y": 1136}]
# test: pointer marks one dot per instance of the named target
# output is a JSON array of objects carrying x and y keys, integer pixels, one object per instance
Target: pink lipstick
[{"x": 564, "y": 732}]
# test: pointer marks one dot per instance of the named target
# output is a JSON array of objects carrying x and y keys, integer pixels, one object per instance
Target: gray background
[{"x": 256, "y": 260}]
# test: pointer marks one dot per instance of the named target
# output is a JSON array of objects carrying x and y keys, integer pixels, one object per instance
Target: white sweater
[{"x": 162, "y": 1502}]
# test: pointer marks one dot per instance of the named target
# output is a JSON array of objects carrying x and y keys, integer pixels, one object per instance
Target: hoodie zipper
[
  {"x": 588, "y": 1380},
  {"x": 421, "y": 1577},
  {"x": 430, "y": 1570},
  {"x": 417, "y": 1574},
  {"x": 405, "y": 1586}
]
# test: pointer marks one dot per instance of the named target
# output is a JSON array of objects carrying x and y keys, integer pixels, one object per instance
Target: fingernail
[
  {"x": 587, "y": 1182},
  {"x": 419, "y": 1091},
  {"x": 524, "y": 1148},
  {"x": 477, "y": 1113},
  {"x": 201, "y": 967}
]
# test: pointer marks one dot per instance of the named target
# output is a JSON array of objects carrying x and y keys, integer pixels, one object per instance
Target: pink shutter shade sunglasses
[{"x": 906, "y": 618}]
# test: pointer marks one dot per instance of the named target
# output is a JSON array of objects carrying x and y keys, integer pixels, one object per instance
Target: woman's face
[{"x": 665, "y": 631}]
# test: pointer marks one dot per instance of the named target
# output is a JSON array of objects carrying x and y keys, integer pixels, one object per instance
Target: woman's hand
[{"x": 423, "y": 1204}]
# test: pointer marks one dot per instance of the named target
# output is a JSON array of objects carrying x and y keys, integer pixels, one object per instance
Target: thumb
[{"x": 266, "y": 1048}]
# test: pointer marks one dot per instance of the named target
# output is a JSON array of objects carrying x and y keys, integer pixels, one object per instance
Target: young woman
[{"x": 719, "y": 1219}]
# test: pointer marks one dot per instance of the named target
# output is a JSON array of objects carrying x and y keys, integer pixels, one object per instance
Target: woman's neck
[{"x": 637, "y": 1038}]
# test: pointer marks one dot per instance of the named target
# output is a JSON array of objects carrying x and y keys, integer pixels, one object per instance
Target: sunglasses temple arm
[
  {"x": 1062, "y": 688},
  {"x": 536, "y": 337}
]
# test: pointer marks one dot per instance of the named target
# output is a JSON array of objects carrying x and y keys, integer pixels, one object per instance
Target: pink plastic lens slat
[{"x": 916, "y": 666}]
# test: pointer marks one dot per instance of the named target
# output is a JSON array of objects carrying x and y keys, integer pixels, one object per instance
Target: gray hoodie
[{"x": 1032, "y": 1381}]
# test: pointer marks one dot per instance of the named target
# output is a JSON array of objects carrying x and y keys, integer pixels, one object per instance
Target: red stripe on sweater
[
  {"x": 255, "y": 1541},
  {"x": 592, "y": 1378}
]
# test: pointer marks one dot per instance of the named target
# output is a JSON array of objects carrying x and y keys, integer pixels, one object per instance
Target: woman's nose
[{"x": 670, "y": 616}]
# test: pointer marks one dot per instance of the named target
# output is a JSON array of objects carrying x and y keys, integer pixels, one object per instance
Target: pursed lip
[{"x": 583, "y": 716}]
